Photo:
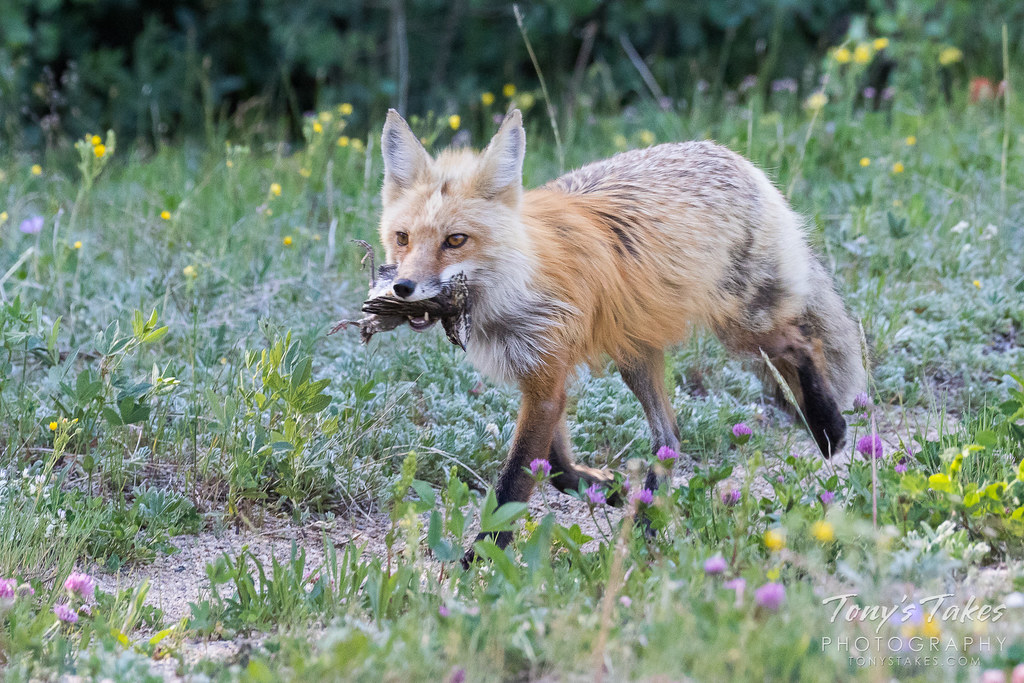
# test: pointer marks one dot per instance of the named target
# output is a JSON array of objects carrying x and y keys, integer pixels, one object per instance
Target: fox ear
[
  {"x": 502, "y": 161},
  {"x": 404, "y": 156}
]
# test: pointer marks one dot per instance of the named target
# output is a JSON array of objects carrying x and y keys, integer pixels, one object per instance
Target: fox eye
[
  {"x": 402, "y": 238},
  {"x": 455, "y": 241}
]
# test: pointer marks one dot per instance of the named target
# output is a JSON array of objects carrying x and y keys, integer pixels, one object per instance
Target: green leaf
[
  {"x": 537, "y": 549},
  {"x": 156, "y": 334},
  {"x": 986, "y": 438},
  {"x": 493, "y": 518},
  {"x": 426, "y": 493},
  {"x": 499, "y": 560},
  {"x": 315, "y": 405}
]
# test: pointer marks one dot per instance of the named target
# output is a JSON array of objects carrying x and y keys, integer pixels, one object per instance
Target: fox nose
[{"x": 404, "y": 288}]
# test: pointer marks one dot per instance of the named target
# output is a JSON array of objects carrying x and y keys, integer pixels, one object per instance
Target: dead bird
[{"x": 385, "y": 312}]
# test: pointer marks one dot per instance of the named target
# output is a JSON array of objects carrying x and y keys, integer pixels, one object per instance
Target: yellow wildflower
[
  {"x": 53, "y": 426},
  {"x": 842, "y": 55},
  {"x": 880, "y": 43},
  {"x": 165, "y": 214},
  {"x": 823, "y": 531},
  {"x": 897, "y": 167},
  {"x": 773, "y": 574},
  {"x": 343, "y": 141},
  {"x": 305, "y": 172},
  {"x": 526, "y": 100},
  {"x": 977, "y": 283},
  {"x": 345, "y": 109},
  {"x": 190, "y": 271},
  {"x": 317, "y": 128},
  {"x": 229, "y": 163},
  {"x": 455, "y": 121},
  {"x": 37, "y": 169},
  {"x": 509, "y": 90},
  {"x": 487, "y": 99},
  {"x": 275, "y": 189},
  {"x": 911, "y": 140},
  {"x": 78, "y": 244},
  {"x": 939, "y": 482},
  {"x": 3, "y": 217},
  {"x": 287, "y": 241},
  {"x": 816, "y": 101},
  {"x": 325, "y": 116},
  {"x": 774, "y": 540},
  {"x": 99, "y": 151},
  {"x": 357, "y": 144},
  {"x": 950, "y": 55},
  {"x": 620, "y": 142},
  {"x": 223, "y": 360},
  {"x": 95, "y": 140},
  {"x": 865, "y": 162},
  {"x": 646, "y": 137},
  {"x": 862, "y": 54}
]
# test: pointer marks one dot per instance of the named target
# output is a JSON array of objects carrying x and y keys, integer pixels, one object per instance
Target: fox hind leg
[
  {"x": 567, "y": 474},
  {"x": 644, "y": 374}
]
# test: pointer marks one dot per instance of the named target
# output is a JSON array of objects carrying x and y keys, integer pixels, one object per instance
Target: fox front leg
[{"x": 539, "y": 415}]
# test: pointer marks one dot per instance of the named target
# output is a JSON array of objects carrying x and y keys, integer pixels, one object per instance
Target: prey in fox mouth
[{"x": 385, "y": 311}]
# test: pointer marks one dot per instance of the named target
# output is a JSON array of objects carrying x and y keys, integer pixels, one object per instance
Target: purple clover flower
[
  {"x": 645, "y": 496},
  {"x": 731, "y": 498},
  {"x": 65, "y": 613},
  {"x": 741, "y": 433},
  {"x": 715, "y": 565},
  {"x": 861, "y": 401},
  {"x": 770, "y": 596},
  {"x": 870, "y": 444},
  {"x": 32, "y": 225},
  {"x": 80, "y": 583},
  {"x": 540, "y": 467},
  {"x": 665, "y": 453},
  {"x": 443, "y": 611},
  {"x": 7, "y": 587},
  {"x": 901, "y": 466},
  {"x": 596, "y": 495},
  {"x": 827, "y": 497}
]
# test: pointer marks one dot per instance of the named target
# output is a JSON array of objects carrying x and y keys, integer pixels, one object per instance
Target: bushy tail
[{"x": 826, "y": 375}]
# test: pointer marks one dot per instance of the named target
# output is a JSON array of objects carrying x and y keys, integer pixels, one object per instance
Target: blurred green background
[{"x": 157, "y": 70}]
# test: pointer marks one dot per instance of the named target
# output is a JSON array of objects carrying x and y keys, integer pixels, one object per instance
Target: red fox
[{"x": 620, "y": 258}]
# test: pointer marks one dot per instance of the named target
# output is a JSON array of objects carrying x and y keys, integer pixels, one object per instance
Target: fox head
[{"x": 458, "y": 213}]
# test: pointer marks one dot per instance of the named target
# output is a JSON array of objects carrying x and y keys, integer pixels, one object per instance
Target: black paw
[{"x": 469, "y": 558}]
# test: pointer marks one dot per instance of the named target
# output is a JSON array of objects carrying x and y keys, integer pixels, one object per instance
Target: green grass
[{"x": 231, "y": 403}]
